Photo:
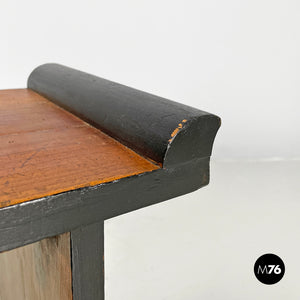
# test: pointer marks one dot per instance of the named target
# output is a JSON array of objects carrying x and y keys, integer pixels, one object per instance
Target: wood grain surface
[
  {"x": 45, "y": 150},
  {"x": 39, "y": 271}
]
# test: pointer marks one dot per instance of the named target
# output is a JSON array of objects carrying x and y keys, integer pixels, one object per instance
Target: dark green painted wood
[
  {"x": 32, "y": 221},
  {"x": 88, "y": 262},
  {"x": 177, "y": 136},
  {"x": 148, "y": 124}
]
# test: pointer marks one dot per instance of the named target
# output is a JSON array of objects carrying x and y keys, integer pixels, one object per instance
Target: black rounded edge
[
  {"x": 188, "y": 134},
  {"x": 31, "y": 76},
  {"x": 193, "y": 139}
]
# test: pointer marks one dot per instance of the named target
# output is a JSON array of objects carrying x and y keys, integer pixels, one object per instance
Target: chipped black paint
[
  {"x": 142, "y": 121},
  {"x": 34, "y": 220}
]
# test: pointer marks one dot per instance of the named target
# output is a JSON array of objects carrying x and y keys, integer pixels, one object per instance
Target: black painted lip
[{"x": 160, "y": 129}]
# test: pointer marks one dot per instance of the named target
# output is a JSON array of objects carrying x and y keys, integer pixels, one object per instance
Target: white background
[{"x": 238, "y": 59}]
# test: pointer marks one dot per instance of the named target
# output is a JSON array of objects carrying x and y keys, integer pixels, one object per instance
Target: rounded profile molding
[{"x": 162, "y": 130}]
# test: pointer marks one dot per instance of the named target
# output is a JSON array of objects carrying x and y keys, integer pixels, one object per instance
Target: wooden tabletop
[{"x": 45, "y": 150}]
